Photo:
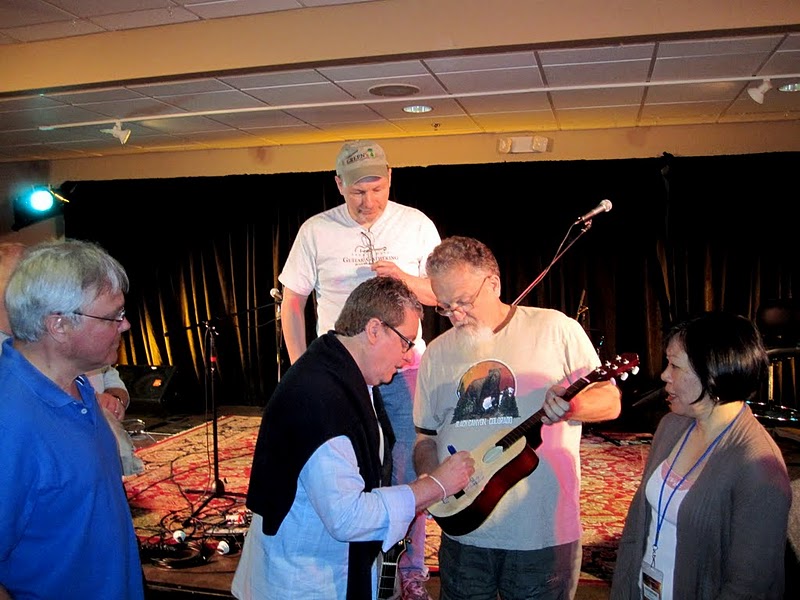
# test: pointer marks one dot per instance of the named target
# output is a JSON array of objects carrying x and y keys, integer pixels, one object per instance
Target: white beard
[{"x": 474, "y": 339}]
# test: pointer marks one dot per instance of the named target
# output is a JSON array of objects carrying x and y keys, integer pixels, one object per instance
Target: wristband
[{"x": 439, "y": 483}]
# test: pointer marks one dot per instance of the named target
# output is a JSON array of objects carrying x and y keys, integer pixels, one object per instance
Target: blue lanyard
[{"x": 661, "y": 516}]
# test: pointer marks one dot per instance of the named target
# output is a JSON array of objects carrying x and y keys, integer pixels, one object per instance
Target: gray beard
[{"x": 474, "y": 340}]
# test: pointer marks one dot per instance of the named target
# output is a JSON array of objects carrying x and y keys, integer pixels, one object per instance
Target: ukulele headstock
[{"x": 619, "y": 368}]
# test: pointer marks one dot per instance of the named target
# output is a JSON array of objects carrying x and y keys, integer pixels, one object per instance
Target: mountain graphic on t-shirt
[{"x": 486, "y": 390}]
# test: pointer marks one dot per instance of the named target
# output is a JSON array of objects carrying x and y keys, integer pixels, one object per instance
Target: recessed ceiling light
[
  {"x": 790, "y": 87},
  {"x": 417, "y": 108},
  {"x": 394, "y": 90}
]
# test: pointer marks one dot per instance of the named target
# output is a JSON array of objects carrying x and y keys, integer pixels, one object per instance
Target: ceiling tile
[
  {"x": 475, "y": 62},
  {"x": 427, "y": 85},
  {"x": 234, "y": 8},
  {"x": 256, "y": 120},
  {"x": 586, "y": 74},
  {"x": 492, "y": 80},
  {"x": 628, "y": 96},
  {"x": 273, "y": 79},
  {"x": 49, "y": 31},
  {"x": 481, "y": 105},
  {"x": 596, "y": 54},
  {"x": 301, "y": 94},
  {"x": 194, "y": 86},
  {"x": 694, "y": 92},
  {"x": 144, "y": 18},
  {"x": 211, "y": 101},
  {"x": 373, "y": 71},
  {"x": 335, "y": 114}
]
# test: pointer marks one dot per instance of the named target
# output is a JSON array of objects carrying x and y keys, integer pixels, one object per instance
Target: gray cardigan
[{"x": 731, "y": 537}]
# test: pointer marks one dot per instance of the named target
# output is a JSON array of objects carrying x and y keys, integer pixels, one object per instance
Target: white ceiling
[{"x": 669, "y": 80}]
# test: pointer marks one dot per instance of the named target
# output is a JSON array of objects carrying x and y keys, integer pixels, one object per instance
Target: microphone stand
[
  {"x": 278, "y": 334},
  {"x": 586, "y": 225},
  {"x": 217, "y": 488}
]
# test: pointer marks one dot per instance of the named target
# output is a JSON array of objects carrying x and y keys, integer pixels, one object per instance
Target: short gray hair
[
  {"x": 456, "y": 251},
  {"x": 384, "y": 298},
  {"x": 59, "y": 277}
]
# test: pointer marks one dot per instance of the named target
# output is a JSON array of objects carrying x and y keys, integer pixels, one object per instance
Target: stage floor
[{"x": 212, "y": 578}]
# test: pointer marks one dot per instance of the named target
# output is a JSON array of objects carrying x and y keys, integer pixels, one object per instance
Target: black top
[{"x": 322, "y": 396}]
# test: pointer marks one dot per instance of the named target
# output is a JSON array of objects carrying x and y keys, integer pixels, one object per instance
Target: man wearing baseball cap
[{"x": 336, "y": 250}]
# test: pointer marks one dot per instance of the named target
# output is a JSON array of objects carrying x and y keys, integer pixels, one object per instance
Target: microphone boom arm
[{"x": 559, "y": 253}]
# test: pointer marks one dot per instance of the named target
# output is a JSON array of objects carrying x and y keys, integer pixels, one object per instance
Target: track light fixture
[
  {"x": 757, "y": 93},
  {"x": 118, "y": 132}
]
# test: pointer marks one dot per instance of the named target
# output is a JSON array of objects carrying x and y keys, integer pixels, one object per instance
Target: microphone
[
  {"x": 604, "y": 206},
  {"x": 276, "y": 295}
]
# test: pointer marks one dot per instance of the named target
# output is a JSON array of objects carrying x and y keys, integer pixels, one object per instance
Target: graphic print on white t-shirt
[
  {"x": 486, "y": 396},
  {"x": 369, "y": 252}
]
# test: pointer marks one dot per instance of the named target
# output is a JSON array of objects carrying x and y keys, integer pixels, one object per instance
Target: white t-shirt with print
[
  {"x": 470, "y": 393},
  {"x": 331, "y": 255}
]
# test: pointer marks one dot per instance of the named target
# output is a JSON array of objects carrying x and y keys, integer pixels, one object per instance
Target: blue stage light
[{"x": 37, "y": 204}]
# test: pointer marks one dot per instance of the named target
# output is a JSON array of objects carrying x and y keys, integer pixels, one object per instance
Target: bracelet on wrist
[{"x": 441, "y": 487}]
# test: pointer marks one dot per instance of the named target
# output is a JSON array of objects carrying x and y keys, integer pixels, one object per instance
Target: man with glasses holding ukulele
[{"x": 487, "y": 376}]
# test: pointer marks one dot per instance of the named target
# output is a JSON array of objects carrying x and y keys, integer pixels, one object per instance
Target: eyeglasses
[
  {"x": 447, "y": 311},
  {"x": 409, "y": 344},
  {"x": 118, "y": 319},
  {"x": 368, "y": 246}
]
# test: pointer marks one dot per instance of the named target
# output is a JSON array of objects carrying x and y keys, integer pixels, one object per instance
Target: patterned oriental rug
[{"x": 179, "y": 472}]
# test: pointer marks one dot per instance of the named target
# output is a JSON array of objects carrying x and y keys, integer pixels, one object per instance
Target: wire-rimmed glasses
[
  {"x": 118, "y": 319},
  {"x": 447, "y": 311}
]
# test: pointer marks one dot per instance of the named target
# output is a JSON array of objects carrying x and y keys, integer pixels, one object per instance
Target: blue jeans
[
  {"x": 473, "y": 573},
  {"x": 398, "y": 398}
]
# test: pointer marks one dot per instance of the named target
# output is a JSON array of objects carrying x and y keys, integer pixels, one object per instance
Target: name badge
[{"x": 652, "y": 580}]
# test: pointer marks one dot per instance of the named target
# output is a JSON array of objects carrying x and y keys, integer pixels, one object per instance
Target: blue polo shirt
[{"x": 67, "y": 526}]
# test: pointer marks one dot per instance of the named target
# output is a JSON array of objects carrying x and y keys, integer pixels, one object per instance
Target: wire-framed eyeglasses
[
  {"x": 447, "y": 311},
  {"x": 409, "y": 343},
  {"x": 118, "y": 319},
  {"x": 369, "y": 246}
]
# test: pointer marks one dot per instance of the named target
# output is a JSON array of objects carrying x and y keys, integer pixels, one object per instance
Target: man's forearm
[
  {"x": 426, "y": 458},
  {"x": 294, "y": 335}
]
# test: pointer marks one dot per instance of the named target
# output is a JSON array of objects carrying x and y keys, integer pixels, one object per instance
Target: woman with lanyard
[{"x": 709, "y": 518}]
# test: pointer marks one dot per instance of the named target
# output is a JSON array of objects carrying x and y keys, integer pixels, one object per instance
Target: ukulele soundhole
[{"x": 493, "y": 454}]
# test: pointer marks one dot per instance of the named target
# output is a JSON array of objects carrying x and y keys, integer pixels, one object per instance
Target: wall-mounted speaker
[{"x": 148, "y": 383}]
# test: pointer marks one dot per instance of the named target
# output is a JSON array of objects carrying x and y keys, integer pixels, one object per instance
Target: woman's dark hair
[{"x": 727, "y": 354}]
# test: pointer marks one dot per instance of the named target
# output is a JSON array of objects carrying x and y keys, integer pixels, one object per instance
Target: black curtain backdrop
[{"x": 685, "y": 234}]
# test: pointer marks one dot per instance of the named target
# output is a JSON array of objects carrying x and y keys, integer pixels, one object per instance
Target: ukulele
[{"x": 500, "y": 463}]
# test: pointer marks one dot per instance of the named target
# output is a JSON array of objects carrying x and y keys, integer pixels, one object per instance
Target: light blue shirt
[{"x": 307, "y": 558}]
